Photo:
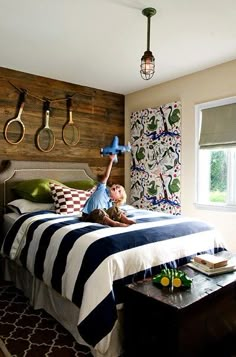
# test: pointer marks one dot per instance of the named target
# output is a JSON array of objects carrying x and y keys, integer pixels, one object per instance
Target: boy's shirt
[{"x": 99, "y": 199}]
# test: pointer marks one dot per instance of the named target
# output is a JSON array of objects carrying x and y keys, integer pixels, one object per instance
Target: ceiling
[{"x": 99, "y": 43}]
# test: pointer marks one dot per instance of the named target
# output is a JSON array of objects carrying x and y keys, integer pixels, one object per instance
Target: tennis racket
[
  {"x": 14, "y": 130},
  {"x": 70, "y": 132},
  {"x": 45, "y": 138}
]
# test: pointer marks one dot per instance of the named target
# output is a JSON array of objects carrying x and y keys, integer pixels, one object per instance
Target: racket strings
[
  {"x": 71, "y": 134},
  {"x": 14, "y": 132},
  {"x": 45, "y": 140}
]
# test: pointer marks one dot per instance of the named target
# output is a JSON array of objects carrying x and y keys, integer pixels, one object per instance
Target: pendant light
[{"x": 148, "y": 60}]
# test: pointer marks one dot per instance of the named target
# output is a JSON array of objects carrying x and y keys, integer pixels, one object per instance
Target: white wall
[{"x": 211, "y": 84}]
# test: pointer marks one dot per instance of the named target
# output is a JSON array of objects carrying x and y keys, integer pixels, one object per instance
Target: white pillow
[{"x": 23, "y": 206}]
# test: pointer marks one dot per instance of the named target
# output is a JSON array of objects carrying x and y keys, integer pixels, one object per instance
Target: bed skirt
[{"x": 64, "y": 311}]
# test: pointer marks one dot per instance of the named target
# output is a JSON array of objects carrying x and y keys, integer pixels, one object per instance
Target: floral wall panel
[{"x": 156, "y": 158}]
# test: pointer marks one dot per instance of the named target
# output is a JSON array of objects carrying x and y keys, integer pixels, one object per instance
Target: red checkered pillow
[{"x": 68, "y": 200}]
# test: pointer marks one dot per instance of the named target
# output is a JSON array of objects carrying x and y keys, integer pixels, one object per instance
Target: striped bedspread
[{"x": 89, "y": 263}]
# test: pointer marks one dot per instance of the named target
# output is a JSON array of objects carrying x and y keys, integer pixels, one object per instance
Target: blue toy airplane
[{"x": 115, "y": 148}]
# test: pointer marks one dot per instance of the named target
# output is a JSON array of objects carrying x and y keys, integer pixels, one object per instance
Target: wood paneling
[{"x": 99, "y": 115}]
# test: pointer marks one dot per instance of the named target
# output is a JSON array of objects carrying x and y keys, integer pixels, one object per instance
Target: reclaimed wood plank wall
[{"x": 99, "y": 115}]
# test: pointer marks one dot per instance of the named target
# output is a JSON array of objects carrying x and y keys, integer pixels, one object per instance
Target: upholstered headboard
[{"x": 26, "y": 170}]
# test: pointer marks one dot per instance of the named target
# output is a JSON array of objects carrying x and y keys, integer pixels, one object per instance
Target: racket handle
[{"x": 69, "y": 103}]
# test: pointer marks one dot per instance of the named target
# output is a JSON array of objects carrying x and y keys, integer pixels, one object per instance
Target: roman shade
[{"x": 218, "y": 128}]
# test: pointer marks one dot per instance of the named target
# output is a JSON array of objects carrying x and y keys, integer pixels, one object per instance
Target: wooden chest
[{"x": 200, "y": 321}]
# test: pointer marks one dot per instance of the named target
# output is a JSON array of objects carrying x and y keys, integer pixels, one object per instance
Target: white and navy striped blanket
[{"x": 89, "y": 264}]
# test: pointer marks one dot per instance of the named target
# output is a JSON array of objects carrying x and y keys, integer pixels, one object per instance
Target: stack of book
[{"x": 210, "y": 264}]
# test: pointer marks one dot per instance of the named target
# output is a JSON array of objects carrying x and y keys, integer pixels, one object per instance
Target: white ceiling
[{"x": 99, "y": 43}]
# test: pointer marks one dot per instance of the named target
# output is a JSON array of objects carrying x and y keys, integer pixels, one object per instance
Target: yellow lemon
[
  {"x": 165, "y": 281},
  {"x": 177, "y": 282}
]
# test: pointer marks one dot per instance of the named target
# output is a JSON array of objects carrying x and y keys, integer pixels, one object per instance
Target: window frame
[{"x": 232, "y": 190}]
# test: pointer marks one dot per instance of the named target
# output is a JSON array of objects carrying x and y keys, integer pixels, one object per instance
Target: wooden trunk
[{"x": 196, "y": 322}]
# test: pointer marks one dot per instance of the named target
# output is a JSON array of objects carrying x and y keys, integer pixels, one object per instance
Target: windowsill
[{"x": 215, "y": 207}]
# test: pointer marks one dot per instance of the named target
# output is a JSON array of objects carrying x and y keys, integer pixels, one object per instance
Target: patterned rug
[{"x": 26, "y": 332}]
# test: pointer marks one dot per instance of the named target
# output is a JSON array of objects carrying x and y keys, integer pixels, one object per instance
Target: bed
[{"x": 77, "y": 270}]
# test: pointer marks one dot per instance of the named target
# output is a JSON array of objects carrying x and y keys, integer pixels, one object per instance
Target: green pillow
[
  {"x": 81, "y": 184},
  {"x": 35, "y": 190}
]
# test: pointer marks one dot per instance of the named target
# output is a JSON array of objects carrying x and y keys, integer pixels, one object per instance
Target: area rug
[{"x": 26, "y": 332}]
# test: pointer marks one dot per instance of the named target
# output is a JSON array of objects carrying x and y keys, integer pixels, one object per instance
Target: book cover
[{"x": 210, "y": 260}]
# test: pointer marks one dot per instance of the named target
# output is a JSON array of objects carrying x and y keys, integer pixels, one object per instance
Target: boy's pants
[{"x": 98, "y": 215}]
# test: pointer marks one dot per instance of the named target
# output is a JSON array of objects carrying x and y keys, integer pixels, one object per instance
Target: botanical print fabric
[{"x": 156, "y": 158}]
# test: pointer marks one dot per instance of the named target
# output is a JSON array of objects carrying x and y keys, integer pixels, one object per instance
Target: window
[{"x": 216, "y": 154}]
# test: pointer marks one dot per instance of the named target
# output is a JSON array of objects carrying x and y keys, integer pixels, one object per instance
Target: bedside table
[{"x": 183, "y": 323}]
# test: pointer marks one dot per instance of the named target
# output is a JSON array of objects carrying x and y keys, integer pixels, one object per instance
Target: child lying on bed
[{"x": 103, "y": 205}]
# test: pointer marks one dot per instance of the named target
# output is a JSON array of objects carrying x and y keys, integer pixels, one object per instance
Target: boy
[{"x": 103, "y": 205}]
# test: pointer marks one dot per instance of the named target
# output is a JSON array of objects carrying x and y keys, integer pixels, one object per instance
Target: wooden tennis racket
[
  {"x": 70, "y": 131},
  {"x": 45, "y": 138},
  {"x": 14, "y": 130}
]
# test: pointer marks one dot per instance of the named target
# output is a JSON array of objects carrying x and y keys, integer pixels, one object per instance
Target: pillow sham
[
  {"x": 35, "y": 190},
  {"x": 81, "y": 184},
  {"x": 68, "y": 200},
  {"x": 24, "y": 206}
]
